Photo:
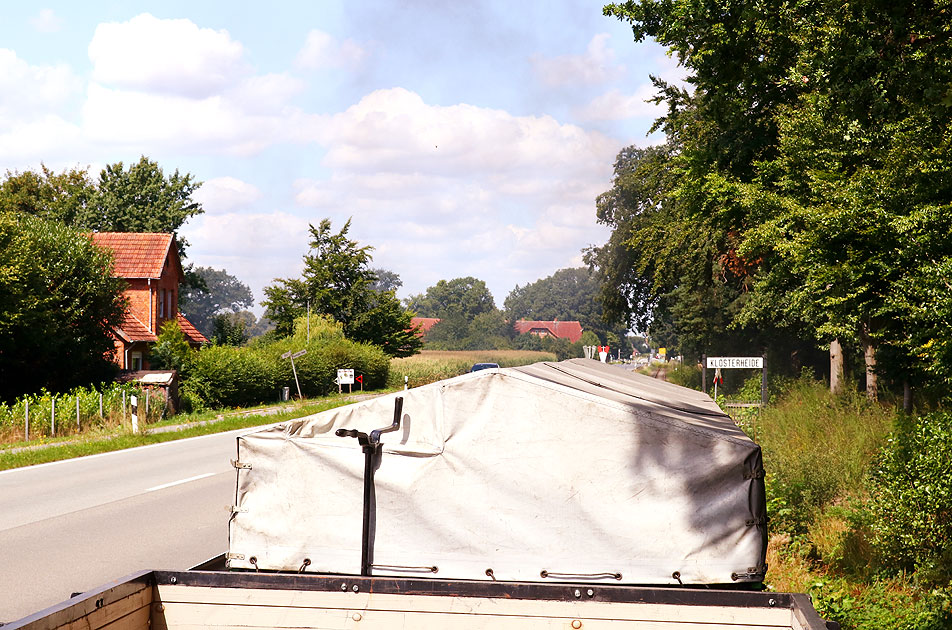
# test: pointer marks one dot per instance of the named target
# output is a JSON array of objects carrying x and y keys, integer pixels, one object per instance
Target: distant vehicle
[{"x": 483, "y": 366}]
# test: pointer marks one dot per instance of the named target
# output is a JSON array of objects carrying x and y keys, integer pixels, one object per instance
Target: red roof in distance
[
  {"x": 423, "y": 324},
  {"x": 571, "y": 330}
]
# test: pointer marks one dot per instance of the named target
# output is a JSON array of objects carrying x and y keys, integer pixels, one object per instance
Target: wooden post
[
  {"x": 26, "y": 423},
  {"x": 147, "y": 392},
  {"x": 123, "y": 405},
  {"x": 763, "y": 384},
  {"x": 100, "y": 405},
  {"x": 77, "y": 413},
  {"x": 704, "y": 373},
  {"x": 53, "y": 416}
]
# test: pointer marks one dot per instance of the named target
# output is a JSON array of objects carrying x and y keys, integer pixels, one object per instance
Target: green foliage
[
  {"x": 58, "y": 302},
  {"x": 141, "y": 198},
  {"x": 460, "y": 297},
  {"x": 804, "y": 190},
  {"x": 338, "y": 282},
  {"x": 64, "y": 197},
  {"x": 884, "y": 605},
  {"x": 228, "y": 330},
  {"x": 912, "y": 499},
  {"x": 171, "y": 350},
  {"x": 224, "y": 376},
  {"x": 55, "y": 414},
  {"x": 219, "y": 293},
  {"x": 804, "y": 473}
]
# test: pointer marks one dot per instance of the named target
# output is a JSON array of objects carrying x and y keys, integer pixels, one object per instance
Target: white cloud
[
  {"x": 224, "y": 194},
  {"x": 46, "y": 21},
  {"x": 449, "y": 191},
  {"x": 322, "y": 50},
  {"x": 596, "y": 65},
  {"x": 30, "y": 90},
  {"x": 165, "y": 56},
  {"x": 216, "y": 124},
  {"x": 613, "y": 105}
]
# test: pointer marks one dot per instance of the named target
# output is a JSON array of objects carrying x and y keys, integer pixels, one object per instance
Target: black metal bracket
[{"x": 371, "y": 446}]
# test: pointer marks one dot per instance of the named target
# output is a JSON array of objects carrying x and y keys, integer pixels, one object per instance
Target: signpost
[
  {"x": 346, "y": 377},
  {"x": 728, "y": 363},
  {"x": 293, "y": 356}
]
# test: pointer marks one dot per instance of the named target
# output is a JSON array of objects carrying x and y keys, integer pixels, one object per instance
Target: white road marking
[{"x": 179, "y": 482}]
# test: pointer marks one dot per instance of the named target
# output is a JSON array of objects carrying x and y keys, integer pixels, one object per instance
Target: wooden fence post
[
  {"x": 26, "y": 423},
  {"x": 52, "y": 415}
]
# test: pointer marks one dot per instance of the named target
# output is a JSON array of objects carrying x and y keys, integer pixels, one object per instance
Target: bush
[
  {"x": 912, "y": 498},
  {"x": 224, "y": 376}
]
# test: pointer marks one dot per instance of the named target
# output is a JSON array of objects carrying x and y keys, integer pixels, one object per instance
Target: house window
[
  {"x": 161, "y": 302},
  {"x": 135, "y": 359}
]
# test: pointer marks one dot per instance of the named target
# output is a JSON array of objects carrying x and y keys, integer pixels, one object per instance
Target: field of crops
[{"x": 435, "y": 365}]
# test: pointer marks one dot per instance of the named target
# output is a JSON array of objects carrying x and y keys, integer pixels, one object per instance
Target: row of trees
[
  {"x": 470, "y": 320},
  {"x": 803, "y": 197}
]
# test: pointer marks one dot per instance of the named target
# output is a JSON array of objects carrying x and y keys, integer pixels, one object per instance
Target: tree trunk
[
  {"x": 872, "y": 387},
  {"x": 836, "y": 367}
]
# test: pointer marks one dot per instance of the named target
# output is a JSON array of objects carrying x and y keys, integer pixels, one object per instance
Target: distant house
[
  {"x": 422, "y": 325},
  {"x": 571, "y": 330},
  {"x": 149, "y": 262}
]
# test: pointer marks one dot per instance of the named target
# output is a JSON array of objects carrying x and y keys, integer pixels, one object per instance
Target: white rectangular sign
[
  {"x": 754, "y": 363},
  {"x": 345, "y": 377}
]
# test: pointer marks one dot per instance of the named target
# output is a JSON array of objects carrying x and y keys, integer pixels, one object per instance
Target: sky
[{"x": 459, "y": 138}]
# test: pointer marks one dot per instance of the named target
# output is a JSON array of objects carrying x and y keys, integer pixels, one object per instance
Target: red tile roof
[
  {"x": 132, "y": 329},
  {"x": 423, "y": 324},
  {"x": 571, "y": 330},
  {"x": 136, "y": 254},
  {"x": 192, "y": 334}
]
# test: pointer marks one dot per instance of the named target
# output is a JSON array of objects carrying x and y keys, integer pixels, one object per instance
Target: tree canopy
[
  {"x": 462, "y": 297},
  {"x": 804, "y": 190},
  {"x": 220, "y": 293},
  {"x": 568, "y": 294},
  {"x": 338, "y": 282},
  {"x": 58, "y": 302}
]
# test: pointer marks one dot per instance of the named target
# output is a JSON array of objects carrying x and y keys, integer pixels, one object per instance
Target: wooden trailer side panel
[
  {"x": 125, "y": 605},
  {"x": 208, "y": 608}
]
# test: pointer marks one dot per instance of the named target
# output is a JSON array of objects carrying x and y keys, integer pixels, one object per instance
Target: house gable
[{"x": 150, "y": 264}]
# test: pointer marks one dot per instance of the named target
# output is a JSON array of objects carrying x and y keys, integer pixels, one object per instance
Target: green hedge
[{"x": 224, "y": 376}]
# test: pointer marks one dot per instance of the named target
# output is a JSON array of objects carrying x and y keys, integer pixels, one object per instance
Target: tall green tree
[
  {"x": 220, "y": 293},
  {"x": 64, "y": 197},
  {"x": 141, "y": 198},
  {"x": 58, "y": 302},
  {"x": 338, "y": 282},
  {"x": 464, "y": 297}
]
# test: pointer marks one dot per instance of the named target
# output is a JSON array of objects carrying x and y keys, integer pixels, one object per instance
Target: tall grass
[{"x": 434, "y": 365}]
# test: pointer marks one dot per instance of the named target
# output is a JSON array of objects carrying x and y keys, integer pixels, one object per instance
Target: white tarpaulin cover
[{"x": 570, "y": 468}]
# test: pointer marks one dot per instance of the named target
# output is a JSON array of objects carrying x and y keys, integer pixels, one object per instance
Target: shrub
[
  {"x": 912, "y": 498},
  {"x": 224, "y": 376}
]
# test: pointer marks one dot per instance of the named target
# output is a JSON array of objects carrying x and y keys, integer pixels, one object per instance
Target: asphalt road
[{"x": 74, "y": 525}]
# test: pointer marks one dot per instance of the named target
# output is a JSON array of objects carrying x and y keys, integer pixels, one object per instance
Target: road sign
[
  {"x": 286, "y": 355},
  {"x": 299, "y": 353},
  {"x": 345, "y": 377},
  {"x": 752, "y": 363}
]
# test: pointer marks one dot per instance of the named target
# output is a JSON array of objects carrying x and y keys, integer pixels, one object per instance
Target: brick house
[
  {"x": 571, "y": 330},
  {"x": 149, "y": 262}
]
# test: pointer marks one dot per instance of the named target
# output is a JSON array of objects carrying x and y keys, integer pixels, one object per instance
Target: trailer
[{"x": 557, "y": 495}]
